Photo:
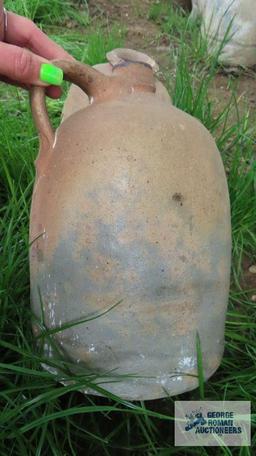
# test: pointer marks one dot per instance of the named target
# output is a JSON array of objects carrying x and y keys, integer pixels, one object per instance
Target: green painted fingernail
[{"x": 51, "y": 74}]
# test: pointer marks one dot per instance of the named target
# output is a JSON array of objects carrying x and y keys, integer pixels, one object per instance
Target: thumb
[{"x": 24, "y": 67}]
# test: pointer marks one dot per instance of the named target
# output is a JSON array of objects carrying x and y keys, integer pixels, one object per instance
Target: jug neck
[
  {"x": 132, "y": 72},
  {"x": 135, "y": 76}
]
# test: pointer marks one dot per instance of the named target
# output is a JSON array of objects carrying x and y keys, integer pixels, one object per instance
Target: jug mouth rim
[
  {"x": 127, "y": 62},
  {"x": 121, "y": 57}
]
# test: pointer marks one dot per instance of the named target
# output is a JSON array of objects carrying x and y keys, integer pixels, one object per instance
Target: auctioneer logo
[
  {"x": 212, "y": 423},
  {"x": 195, "y": 419}
]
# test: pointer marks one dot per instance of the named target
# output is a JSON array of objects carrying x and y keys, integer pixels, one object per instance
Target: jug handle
[{"x": 87, "y": 78}]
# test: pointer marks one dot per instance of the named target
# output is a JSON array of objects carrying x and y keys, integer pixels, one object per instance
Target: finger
[
  {"x": 24, "y": 33},
  {"x": 15, "y": 83},
  {"x": 1, "y": 21},
  {"x": 20, "y": 65},
  {"x": 53, "y": 92}
]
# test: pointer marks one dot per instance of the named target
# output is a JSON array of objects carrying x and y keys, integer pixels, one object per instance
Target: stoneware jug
[{"x": 130, "y": 224}]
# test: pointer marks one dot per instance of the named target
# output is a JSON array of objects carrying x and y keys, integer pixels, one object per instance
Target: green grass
[
  {"x": 51, "y": 11},
  {"x": 41, "y": 417}
]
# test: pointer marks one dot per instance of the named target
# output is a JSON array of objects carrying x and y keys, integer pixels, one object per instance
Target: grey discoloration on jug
[{"x": 132, "y": 205}]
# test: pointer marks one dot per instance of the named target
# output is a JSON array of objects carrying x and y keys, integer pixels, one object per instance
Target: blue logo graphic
[{"x": 194, "y": 419}]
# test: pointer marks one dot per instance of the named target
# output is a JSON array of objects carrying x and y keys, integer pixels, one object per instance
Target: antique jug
[{"x": 130, "y": 214}]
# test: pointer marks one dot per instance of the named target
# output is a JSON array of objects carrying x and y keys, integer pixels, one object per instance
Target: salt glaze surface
[{"x": 130, "y": 206}]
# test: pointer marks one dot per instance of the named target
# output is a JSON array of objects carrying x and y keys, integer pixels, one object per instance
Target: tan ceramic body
[{"x": 133, "y": 206}]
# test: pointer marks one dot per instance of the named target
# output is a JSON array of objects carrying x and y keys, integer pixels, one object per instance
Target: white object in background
[{"x": 231, "y": 19}]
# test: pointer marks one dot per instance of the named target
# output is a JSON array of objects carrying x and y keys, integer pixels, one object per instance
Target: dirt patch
[
  {"x": 132, "y": 15},
  {"x": 141, "y": 33},
  {"x": 243, "y": 84},
  {"x": 248, "y": 280}
]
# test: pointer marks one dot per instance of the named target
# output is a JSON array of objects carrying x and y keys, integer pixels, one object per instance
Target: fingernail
[{"x": 51, "y": 74}]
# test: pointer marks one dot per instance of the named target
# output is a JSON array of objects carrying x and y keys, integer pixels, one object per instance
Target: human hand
[{"x": 24, "y": 50}]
